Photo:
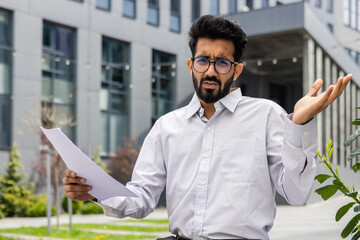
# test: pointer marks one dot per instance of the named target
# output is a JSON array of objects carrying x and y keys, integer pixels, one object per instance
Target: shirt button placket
[{"x": 201, "y": 190}]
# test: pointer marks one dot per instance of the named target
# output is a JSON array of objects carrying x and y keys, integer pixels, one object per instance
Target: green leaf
[
  {"x": 356, "y": 167},
  {"x": 357, "y": 208},
  {"x": 356, "y": 122},
  {"x": 352, "y": 195},
  {"x": 356, "y": 236},
  {"x": 327, "y": 191},
  {"x": 352, "y": 137},
  {"x": 322, "y": 177},
  {"x": 339, "y": 185},
  {"x": 343, "y": 210},
  {"x": 354, "y": 153},
  {"x": 337, "y": 171},
  {"x": 350, "y": 226}
]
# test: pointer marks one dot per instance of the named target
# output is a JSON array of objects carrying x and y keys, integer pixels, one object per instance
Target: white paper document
[{"x": 103, "y": 185}]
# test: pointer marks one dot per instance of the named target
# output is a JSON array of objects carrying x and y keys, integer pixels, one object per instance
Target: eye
[
  {"x": 223, "y": 62},
  {"x": 202, "y": 61}
]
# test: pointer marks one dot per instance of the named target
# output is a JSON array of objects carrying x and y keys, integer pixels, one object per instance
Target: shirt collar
[{"x": 230, "y": 101}]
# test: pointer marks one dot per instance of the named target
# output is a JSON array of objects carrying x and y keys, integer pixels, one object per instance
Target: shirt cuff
[{"x": 300, "y": 136}]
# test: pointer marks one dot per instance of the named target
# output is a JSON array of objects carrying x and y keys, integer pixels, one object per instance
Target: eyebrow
[{"x": 218, "y": 57}]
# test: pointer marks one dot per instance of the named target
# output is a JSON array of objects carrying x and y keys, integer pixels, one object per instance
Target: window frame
[
  {"x": 111, "y": 85},
  {"x": 155, "y": 7},
  {"x": 6, "y": 98},
  {"x": 175, "y": 14},
  {"x": 102, "y": 8},
  {"x": 125, "y": 14}
]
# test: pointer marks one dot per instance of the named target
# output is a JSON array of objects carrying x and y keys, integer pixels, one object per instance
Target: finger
[
  {"x": 325, "y": 99},
  {"x": 71, "y": 180},
  {"x": 346, "y": 80},
  {"x": 315, "y": 87},
  {"x": 69, "y": 173},
  {"x": 77, "y": 188},
  {"x": 80, "y": 196},
  {"x": 337, "y": 90}
]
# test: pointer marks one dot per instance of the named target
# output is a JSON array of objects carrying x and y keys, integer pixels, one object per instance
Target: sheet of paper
[{"x": 103, "y": 185}]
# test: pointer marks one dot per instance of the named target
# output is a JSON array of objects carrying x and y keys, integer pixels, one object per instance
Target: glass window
[
  {"x": 330, "y": 27},
  {"x": 330, "y": 6},
  {"x": 80, "y": 1},
  {"x": 232, "y": 6},
  {"x": 153, "y": 12},
  {"x": 163, "y": 81},
  {"x": 175, "y": 19},
  {"x": 114, "y": 94},
  {"x": 129, "y": 8},
  {"x": 5, "y": 78},
  {"x": 250, "y": 4},
  {"x": 353, "y": 14},
  {"x": 103, "y": 4},
  {"x": 195, "y": 10},
  {"x": 58, "y": 71},
  {"x": 214, "y": 7}
]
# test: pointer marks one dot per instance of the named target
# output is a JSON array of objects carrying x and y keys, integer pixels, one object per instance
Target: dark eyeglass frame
[{"x": 214, "y": 62}]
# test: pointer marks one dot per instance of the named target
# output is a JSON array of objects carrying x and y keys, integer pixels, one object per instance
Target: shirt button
[
  {"x": 209, "y": 129},
  {"x": 202, "y": 183},
  {"x": 198, "y": 212},
  {"x": 305, "y": 133},
  {"x": 206, "y": 155}
]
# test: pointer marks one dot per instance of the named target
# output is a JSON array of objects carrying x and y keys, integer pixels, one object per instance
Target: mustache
[{"x": 210, "y": 79}]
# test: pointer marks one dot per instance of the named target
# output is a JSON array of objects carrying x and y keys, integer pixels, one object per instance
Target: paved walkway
[{"x": 311, "y": 222}]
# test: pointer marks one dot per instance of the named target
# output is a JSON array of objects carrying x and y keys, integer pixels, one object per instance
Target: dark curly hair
[{"x": 218, "y": 27}]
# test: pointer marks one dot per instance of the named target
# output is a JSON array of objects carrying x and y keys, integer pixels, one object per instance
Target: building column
[
  {"x": 320, "y": 116},
  {"x": 334, "y": 116}
]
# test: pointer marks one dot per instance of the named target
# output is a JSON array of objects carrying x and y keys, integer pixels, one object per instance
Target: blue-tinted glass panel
[
  {"x": 195, "y": 10},
  {"x": 153, "y": 12},
  {"x": 130, "y": 8},
  {"x": 58, "y": 73},
  {"x": 103, "y": 4},
  {"x": 5, "y": 78},
  {"x": 175, "y": 23},
  {"x": 5, "y": 120},
  {"x": 163, "y": 80},
  {"x": 114, "y": 94}
]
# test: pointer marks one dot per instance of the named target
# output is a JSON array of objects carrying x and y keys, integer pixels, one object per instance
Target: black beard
[{"x": 208, "y": 95}]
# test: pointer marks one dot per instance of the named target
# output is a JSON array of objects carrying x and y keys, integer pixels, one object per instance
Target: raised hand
[
  {"x": 310, "y": 105},
  {"x": 75, "y": 187}
]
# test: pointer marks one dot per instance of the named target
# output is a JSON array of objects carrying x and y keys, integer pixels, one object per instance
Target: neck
[{"x": 209, "y": 109}]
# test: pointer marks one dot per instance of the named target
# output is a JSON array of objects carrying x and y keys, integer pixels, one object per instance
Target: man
[{"x": 223, "y": 156}]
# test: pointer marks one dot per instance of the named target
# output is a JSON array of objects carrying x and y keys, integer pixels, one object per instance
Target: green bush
[
  {"x": 39, "y": 208},
  {"x": 16, "y": 192},
  {"x": 1, "y": 215},
  {"x": 75, "y": 205},
  {"x": 90, "y": 208}
]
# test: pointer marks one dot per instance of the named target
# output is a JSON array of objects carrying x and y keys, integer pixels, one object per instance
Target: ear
[
  {"x": 238, "y": 70},
  {"x": 189, "y": 64}
]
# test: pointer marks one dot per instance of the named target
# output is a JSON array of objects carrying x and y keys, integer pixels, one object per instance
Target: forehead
[{"x": 215, "y": 48}]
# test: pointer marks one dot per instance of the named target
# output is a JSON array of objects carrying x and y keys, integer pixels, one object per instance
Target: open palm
[{"x": 310, "y": 105}]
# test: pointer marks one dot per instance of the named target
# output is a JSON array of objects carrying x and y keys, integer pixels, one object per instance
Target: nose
[{"x": 211, "y": 70}]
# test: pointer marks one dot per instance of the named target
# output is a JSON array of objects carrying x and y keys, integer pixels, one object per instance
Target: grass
[
  {"x": 8, "y": 238},
  {"x": 75, "y": 234},
  {"x": 121, "y": 228}
]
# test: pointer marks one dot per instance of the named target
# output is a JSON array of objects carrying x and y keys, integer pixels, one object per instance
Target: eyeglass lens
[{"x": 202, "y": 64}]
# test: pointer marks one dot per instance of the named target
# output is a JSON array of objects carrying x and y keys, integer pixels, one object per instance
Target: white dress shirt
[{"x": 221, "y": 175}]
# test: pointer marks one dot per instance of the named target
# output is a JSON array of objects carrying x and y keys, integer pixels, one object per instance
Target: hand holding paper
[{"x": 103, "y": 185}]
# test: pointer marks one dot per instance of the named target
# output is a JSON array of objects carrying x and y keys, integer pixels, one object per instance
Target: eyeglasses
[{"x": 222, "y": 65}]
